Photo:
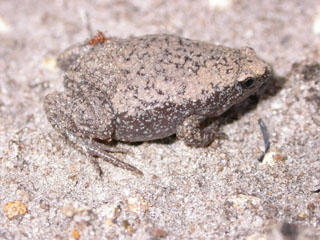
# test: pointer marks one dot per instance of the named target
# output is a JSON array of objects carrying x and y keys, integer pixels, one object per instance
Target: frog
[{"x": 149, "y": 87}]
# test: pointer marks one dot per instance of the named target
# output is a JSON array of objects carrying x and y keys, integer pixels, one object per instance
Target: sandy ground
[{"x": 49, "y": 190}]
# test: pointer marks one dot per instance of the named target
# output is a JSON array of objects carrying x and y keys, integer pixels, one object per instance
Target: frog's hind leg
[
  {"x": 108, "y": 148},
  {"x": 98, "y": 149}
]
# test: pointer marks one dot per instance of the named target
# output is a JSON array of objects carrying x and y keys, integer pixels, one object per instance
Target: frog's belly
[
  {"x": 156, "y": 122},
  {"x": 149, "y": 124}
]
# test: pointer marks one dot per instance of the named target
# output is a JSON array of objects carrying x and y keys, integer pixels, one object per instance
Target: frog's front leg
[{"x": 194, "y": 134}]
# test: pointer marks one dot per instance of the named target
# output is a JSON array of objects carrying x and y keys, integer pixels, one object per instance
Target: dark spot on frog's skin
[
  {"x": 142, "y": 56},
  {"x": 147, "y": 45},
  {"x": 224, "y": 61},
  {"x": 236, "y": 61},
  {"x": 162, "y": 72},
  {"x": 160, "y": 92},
  {"x": 167, "y": 40},
  {"x": 205, "y": 63},
  {"x": 140, "y": 73},
  {"x": 177, "y": 56},
  {"x": 131, "y": 53},
  {"x": 180, "y": 49},
  {"x": 167, "y": 79},
  {"x": 182, "y": 89},
  {"x": 196, "y": 64},
  {"x": 180, "y": 42},
  {"x": 186, "y": 59},
  {"x": 228, "y": 71},
  {"x": 167, "y": 53},
  {"x": 149, "y": 85},
  {"x": 212, "y": 58},
  {"x": 130, "y": 87},
  {"x": 195, "y": 71},
  {"x": 153, "y": 39},
  {"x": 204, "y": 92}
]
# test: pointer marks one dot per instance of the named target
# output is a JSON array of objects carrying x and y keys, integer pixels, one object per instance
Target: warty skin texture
[{"x": 149, "y": 87}]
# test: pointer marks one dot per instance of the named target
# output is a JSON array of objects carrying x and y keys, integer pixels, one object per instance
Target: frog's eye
[{"x": 248, "y": 83}]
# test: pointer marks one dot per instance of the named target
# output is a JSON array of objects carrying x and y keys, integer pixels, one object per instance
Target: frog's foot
[
  {"x": 193, "y": 134},
  {"x": 98, "y": 149}
]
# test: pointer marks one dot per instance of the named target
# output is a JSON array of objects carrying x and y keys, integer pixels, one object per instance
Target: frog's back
[
  {"x": 163, "y": 63},
  {"x": 155, "y": 69},
  {"x": 154, "y": 81}
]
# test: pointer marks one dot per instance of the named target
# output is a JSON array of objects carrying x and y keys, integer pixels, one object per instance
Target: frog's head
[
  {"x": 90, "y": 116},
  {"x": 253, "y": 72}
]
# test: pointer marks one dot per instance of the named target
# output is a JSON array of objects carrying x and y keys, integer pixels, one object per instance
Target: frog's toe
[
  {"x": 115, "y": 161},
  {"x": 95, "y": 149}
]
